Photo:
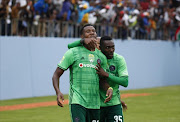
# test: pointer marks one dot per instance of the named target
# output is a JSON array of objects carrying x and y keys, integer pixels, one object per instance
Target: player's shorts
[
  {"x": 111, "y": 114},
  {"x": 82, "y": 114}
]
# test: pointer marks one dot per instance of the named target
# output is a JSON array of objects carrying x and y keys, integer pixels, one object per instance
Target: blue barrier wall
[{"x": 28, "y": 63}]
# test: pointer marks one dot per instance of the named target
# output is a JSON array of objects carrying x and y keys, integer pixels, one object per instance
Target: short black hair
[
  {"x": 105, "y": 38},
  {"x": 81, "y": 31}
]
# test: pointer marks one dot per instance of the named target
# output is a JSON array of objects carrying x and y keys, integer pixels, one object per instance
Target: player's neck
[{"x": 90, "y": 49}]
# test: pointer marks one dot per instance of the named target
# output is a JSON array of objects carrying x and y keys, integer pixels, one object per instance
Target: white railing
[{"x": 50, "y": 28}]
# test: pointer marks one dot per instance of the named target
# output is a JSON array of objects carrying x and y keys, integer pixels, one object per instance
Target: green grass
[
  {"x": 162, "y": 106},
  {"x": 29, "y": 100}
]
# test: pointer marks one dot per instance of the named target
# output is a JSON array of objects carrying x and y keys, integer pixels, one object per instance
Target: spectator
[
  {"x": 159, "y": 25},
  {"x": 177, "y": 16},
  {"x": 152, "y": 23},
  {"x": 15, "y": 16},
  {"x": 4, "y": 17},
  {"x": 133, "y": 23},
  {"x": 82, "y": 10},
  {"x": 106, "y": 13},
  {"x": 52, "y": 24},
  {"x": 123, "y": 22},
  {"x": 65, "y": 11},
  {"x": 26, "y": 18},
  {"x": 35, "y": 24},
  {"x": 58, "y": 4},
  {"x": 41, "y": 8},
  {"x": 65, "y": 15}
]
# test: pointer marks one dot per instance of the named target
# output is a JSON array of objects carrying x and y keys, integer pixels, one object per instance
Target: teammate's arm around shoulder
[
  {"x": 89, "y": 42},
  {"x": 75, "y": 44}
]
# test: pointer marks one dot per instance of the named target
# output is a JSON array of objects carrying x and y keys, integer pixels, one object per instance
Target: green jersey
[
  {"x": 84, "y": 82},
  {"x": 117, "y": 70}
]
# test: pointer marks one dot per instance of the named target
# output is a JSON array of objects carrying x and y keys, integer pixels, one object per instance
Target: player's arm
[
  {"x": 89, "y": 42},
  {"x": 64, "y": 64},
  {"x": 104, "y": 84},
  {"x": 124, "y": 105},
  {"x": 121, "y": 80},
  {"x": 56, "y": 76},
  {"x": 75, "y": 44}
]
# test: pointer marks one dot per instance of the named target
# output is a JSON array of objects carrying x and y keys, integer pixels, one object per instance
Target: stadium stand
[{"x": 121, "y": 19}]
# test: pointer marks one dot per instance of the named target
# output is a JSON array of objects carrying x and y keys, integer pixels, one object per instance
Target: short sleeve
[
  {"x": 122, "y": 67},
  {"x": 67, "y": 60}
]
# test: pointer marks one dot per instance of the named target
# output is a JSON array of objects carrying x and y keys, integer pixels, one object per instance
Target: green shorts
[
  {"x": 111, "y": 114},
  {"x": 82, "y": 114}
]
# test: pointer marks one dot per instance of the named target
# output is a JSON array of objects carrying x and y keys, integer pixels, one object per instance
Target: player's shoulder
[
  {"x": 72, "y": 51},
  {"x": 75, "y": 49},
  {"x": 118, "y": 56},
  {"x": 100, "y": 53}
]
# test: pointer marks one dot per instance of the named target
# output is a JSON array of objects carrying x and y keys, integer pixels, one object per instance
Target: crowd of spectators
[{"x": 126, "y": 19}]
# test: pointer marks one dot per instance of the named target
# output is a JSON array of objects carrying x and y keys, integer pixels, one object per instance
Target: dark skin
[
  {"x": 88, "y": 32},
  {"x": 108, "y": 48},
  {"x": 57, "y": 74}
]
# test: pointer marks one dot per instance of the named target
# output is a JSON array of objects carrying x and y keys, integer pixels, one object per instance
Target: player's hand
[
  {"x": 60, "y": 96},
  {"x": 90, "y": 43},
  {"x": 124, "y": 105},
  {"x": 109, "y": 94},
  {"x": 100, "y": 71}
]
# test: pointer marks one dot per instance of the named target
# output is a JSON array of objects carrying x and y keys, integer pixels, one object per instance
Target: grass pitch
[{"x": 162, "y": 106}]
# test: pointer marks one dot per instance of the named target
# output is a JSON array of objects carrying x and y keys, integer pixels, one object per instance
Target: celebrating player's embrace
[{"x": 95, "y": 77}]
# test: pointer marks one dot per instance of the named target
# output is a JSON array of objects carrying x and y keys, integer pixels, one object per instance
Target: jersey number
[
  {"x": 118, "y": 118},
  {"x": 95, "y": 121}
]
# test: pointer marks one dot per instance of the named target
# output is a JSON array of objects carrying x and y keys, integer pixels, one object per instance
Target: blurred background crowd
[{"x": 122, "y": 19}]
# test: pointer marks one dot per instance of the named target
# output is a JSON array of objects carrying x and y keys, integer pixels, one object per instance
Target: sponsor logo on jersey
[
  {"x": 91, "y": 58},
  {"x": 112, "y": 68},
  {"x": 62, "y": 59},
  {"x": 81, "y": 65}
]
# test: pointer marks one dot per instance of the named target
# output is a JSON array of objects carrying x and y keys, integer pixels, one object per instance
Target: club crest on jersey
[
  {"x": 112, "y": 68},
  {"x": 99, "y": 61},
  {"x": 91, "y": 58}
]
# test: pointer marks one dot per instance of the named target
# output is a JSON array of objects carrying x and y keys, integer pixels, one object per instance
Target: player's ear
[
  {"x": 100, "y": 47},
  {"x": 82, "y": 36}
]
